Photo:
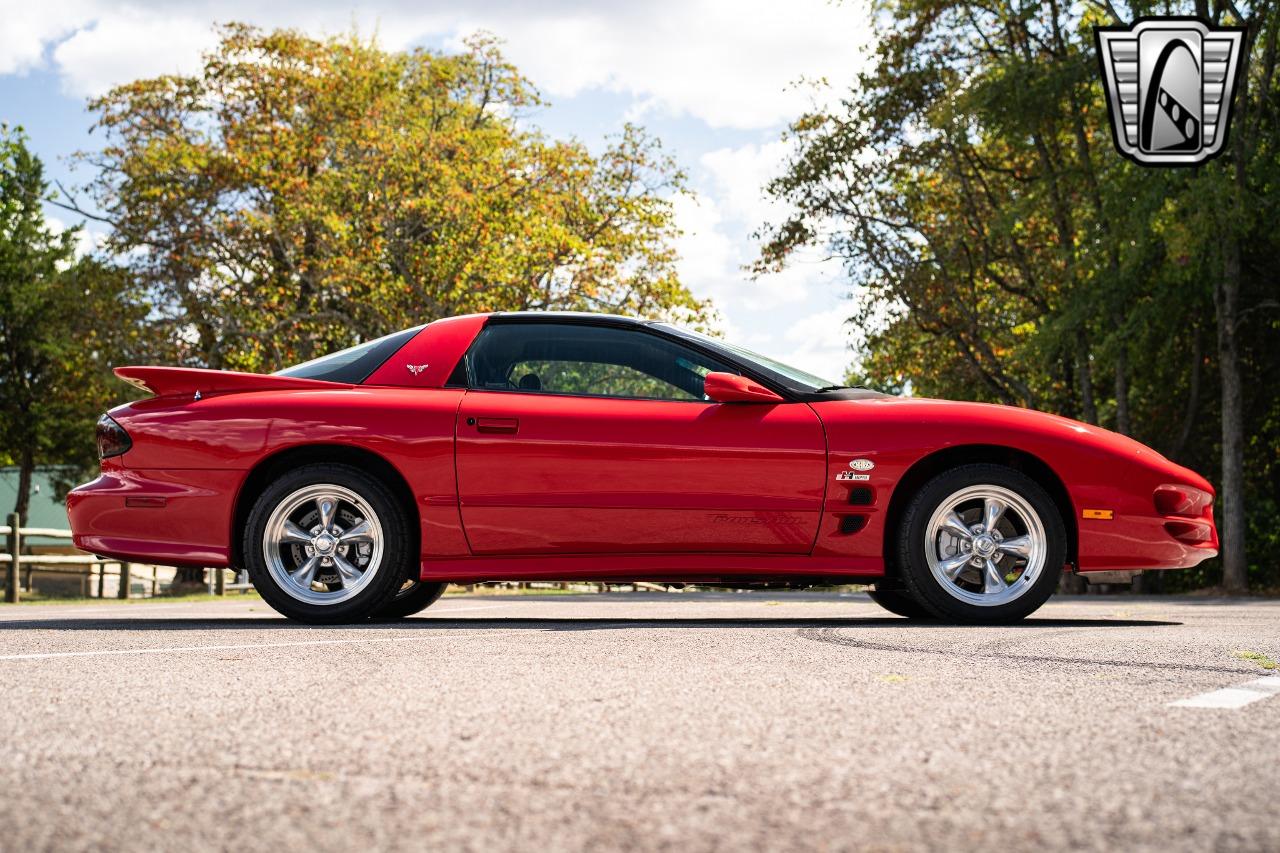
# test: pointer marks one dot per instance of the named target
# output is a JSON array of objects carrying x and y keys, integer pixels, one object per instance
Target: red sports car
[{"x": 531, "y": 446}]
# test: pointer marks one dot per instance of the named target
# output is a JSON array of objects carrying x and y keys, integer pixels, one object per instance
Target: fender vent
[
  {"x": 860, "y": 496},
  {"x": 852, "y": 523}
]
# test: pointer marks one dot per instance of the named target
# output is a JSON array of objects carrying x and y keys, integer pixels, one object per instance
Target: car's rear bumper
[{"x": 167, "y": 517}]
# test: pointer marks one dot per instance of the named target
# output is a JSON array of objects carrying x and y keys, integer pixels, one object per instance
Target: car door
[{"x": 582, "y": 438}]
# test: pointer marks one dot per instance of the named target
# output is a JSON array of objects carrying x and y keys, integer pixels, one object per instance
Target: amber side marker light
[{"x": 1100, "y": 514}]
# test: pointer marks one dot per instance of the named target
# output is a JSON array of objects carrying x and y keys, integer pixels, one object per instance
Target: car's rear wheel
[
  {"x": 981, "y": 543},
  {"x": 413, "y": 597},
  {"x": 900, "y": 603},
  {"x": 327, "y": 543}
]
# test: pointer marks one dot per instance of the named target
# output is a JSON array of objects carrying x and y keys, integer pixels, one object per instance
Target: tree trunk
[
  {"x": 1226, "y": 297},
  {"x": 1084, "y": 371},
  {"x": 26, "y": 468},
  {"x": 1122, "y": 389},
  {"x": 1193, "y": 398}
]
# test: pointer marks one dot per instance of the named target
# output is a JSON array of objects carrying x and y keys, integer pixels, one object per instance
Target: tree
[
  {"x": 969, "y": 186},
  {"x": 63, "y": 323},
  {"x": 299, "y": 195}
]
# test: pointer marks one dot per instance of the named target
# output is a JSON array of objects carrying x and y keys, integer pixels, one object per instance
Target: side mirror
[{"x": 731, "y": 388}]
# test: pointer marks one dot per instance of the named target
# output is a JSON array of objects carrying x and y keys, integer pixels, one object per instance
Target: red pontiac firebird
[{"x": 532, "y": 446}]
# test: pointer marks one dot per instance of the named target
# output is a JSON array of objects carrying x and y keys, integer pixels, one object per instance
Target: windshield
[
  {"x": 354, "y": 364},
  {"x": 792, "y": 377}
]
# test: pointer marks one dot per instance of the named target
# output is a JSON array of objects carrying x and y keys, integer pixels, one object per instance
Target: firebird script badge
[
  {"x": 415, "y": 369},
  {"x": 1169, "y": 83}
]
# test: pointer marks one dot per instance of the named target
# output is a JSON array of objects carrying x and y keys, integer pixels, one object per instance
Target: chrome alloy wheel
[
  {"x": 323, "y": 544},
  {"x": 985, "y": 545}
]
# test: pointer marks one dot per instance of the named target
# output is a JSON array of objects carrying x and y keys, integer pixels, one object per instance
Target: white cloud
[
  {"x": 713, "y": 254},
  {"x": 713, "y": 63},
  {"x": 740, "y": 175},
  {"x": 729, "y": 64},
  {"x": 88, "y": 240},
  {"x": 773, "y": 314},
  {"x": 92, "y": 60},
  {"x": 27, "y": 29},
  {"x": 819, "y": 343}
]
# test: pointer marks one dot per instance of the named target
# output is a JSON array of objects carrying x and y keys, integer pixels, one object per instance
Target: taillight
[{"x": 112, "y": 439}]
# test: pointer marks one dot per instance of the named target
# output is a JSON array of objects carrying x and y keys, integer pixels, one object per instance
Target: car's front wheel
[
  {"x": 899, "y": 603},
  {"x": 981, "y": 543},
  {"x": 413, "y": 597},
  {"x": 327, "y": 543}
]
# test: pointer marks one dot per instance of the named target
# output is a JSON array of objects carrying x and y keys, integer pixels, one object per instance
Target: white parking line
[
  {"x": 159, "y": 651},
  {"x": 1234, "y": 697},
  {"x": 110, "y": 611}
]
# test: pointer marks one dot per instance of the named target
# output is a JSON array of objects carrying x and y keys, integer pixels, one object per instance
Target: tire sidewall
[
  {"x": 422, "y": 595},
  {"x": 926, "y": 589},
  {"x": 900, "y": 603},
  {"x": 396, "y": 554}
]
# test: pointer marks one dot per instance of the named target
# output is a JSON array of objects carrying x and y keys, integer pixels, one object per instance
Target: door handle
[{"x": 507, "y": 426}]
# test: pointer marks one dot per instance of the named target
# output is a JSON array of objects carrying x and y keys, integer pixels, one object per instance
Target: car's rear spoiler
[{"x": 174, "y": 381}]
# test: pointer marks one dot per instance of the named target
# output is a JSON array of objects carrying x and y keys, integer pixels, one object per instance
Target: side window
[{"x": 585, "y": 360}]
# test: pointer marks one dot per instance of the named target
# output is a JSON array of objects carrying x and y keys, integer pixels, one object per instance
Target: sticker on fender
[{"x": 852, "y": 475}]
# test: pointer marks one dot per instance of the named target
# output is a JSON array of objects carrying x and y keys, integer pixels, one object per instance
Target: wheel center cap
[
  {"x": 984, "y": 545},
  {"x": 324, "y": 544}
]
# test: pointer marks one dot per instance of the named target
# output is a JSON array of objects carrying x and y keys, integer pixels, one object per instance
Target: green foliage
[
  {"x": 969, "y": 184},
  {"x": 64, "y": 322},
  {"x": 300, "y": 195},
  {"x": 599, "y": 378}
]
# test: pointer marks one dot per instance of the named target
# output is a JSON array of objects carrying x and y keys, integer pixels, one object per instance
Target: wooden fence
[
  {"x": 100, "y": 568},
  {"x": 91, "y": 567}
]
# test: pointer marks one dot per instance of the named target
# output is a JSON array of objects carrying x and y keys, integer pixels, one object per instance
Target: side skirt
[{"x": 660, "y": 568}]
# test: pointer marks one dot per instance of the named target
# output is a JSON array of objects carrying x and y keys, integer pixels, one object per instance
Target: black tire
[
  {"x": 396, "y": 563},
  {"x": 411, "y": 599},
  {"x": 900, "y": 603},
  {"x": 919, "y": 580}
]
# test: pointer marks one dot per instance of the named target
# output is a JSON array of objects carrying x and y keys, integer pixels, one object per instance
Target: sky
[{"x": 717, "y": 81}]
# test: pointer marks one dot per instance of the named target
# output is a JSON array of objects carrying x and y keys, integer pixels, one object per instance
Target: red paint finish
[
  {"x": 1096, "y": 468},
  {"x": 732, "y": 388},
  {"x": 212, "y": 445},
  {"x": 184, "y": 532},
  {"x": 433, "y": 353},
  {"x": 656, "y": 568},
  {"x": 515, "y": 485},
  {"x": 172, "y": 381},
  {"x": 587, "y": 475}
]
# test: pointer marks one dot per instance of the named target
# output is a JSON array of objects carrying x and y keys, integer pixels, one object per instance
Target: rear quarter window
[{"x": 354, "y": 364}]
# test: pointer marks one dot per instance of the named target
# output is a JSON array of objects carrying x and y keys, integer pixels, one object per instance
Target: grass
[
  {"x": 36, "y": 599},
  {"x": 1257, "y": 657},
  {"x": 505, "y": 590}
]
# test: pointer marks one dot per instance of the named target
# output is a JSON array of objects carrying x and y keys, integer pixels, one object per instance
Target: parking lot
[{"x": 641, "y": 721}]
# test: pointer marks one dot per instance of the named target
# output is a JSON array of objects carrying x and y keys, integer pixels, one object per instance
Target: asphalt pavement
[{"x": 702, "y": 721}]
